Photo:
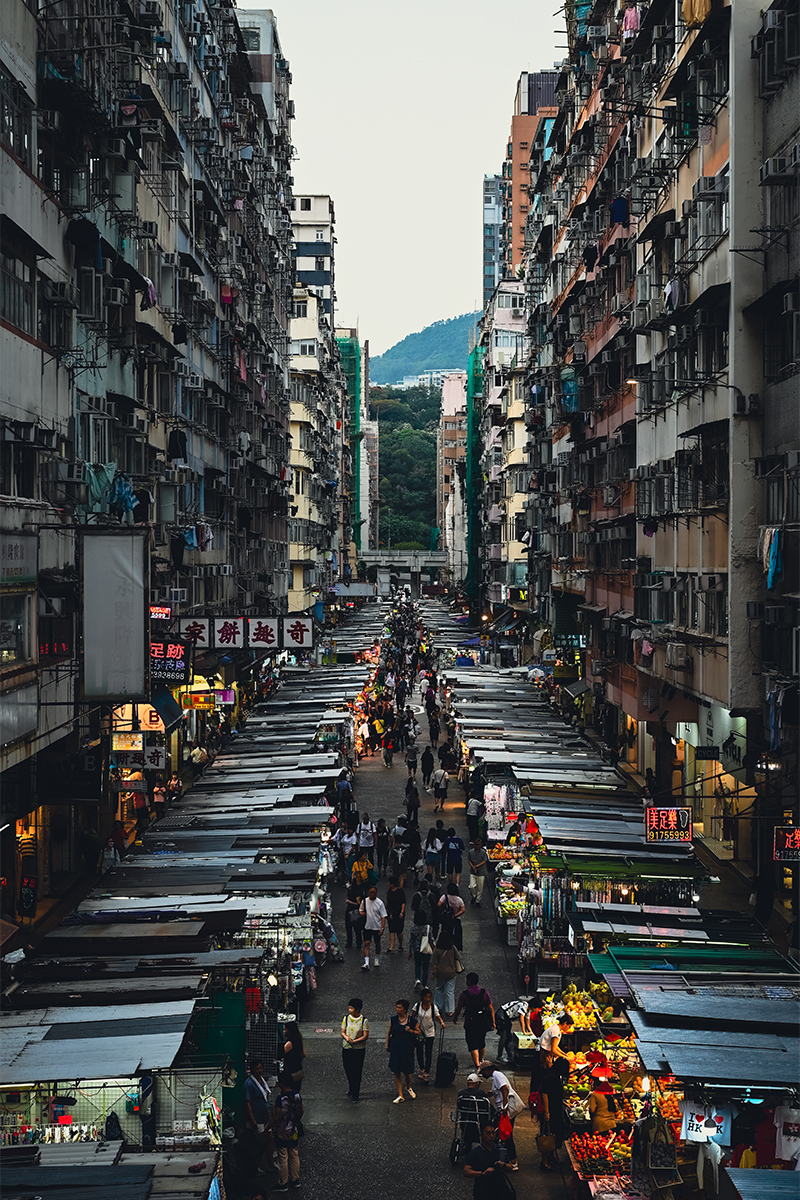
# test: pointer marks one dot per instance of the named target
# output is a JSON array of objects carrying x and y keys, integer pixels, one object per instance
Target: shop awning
[
  {"x": 167, "y": 707},
  {"x": 577, "y": 688},
  {"x": 596, "y": 609},
  {"x": 622, "y": 614},
  {"x": 758, "y": 1184}
]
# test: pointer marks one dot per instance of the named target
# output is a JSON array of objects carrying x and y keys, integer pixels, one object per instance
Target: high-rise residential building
[
  {"x": 313, "y": 224},
  {"x": 661, "y": 277},
  {"x": 451, "y": 452},
  {"x": 492, "y": 233},
  {"x": 363, "y": 478},
  {"x": 146, "y": 269},
  {"x": 534, "y": 99}
]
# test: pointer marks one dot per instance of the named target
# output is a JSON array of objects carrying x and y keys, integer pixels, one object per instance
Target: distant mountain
[{"x": 443, "y": 344}]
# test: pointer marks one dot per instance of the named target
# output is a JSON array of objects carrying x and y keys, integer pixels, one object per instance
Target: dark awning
[
  {"x": 16, "y": 233},
  {"x": 577, "y": 688},
  {"x": 190, "y": 262},
  {"x": 167, "y": 707},
  {"x": 655, "y": 226}
]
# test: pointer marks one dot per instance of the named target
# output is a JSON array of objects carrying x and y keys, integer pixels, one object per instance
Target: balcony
[{"x": 496, "y": 552}]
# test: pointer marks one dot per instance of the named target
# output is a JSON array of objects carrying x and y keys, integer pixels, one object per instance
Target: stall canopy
[
  {"x": 577, "y": 688},
  {"x": 757, "y": 1184}
]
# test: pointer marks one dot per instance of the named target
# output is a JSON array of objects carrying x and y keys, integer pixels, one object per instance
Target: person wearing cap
[
  {"x": 501, "y": 1091},
  {"x": 472, "y": 1099}
]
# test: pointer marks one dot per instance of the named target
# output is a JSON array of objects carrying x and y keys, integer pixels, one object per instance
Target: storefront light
[
  {"x": 272, "y": 980},
  {"x": 575, "y": 885},
  {"x": 624, "y": 889},
  {"x": 645, "y": 1084}
]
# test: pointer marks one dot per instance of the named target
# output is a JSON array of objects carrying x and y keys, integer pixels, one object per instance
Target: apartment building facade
[
  {"x": 451, "y": 453},
  {"x": 661, "y": 279},
  {"x": 533, "y": 100},
  {"x": 492, "y": 234},
  {"x": 145, "y": 192}
]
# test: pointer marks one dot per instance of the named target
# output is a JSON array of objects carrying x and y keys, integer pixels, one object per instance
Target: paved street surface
[{"x": 377, "y": 1148}]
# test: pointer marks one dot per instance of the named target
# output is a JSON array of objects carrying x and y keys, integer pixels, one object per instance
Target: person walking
[
  {"x": 451, "y": 909},
  {"x": 432, "y": 851},
  {"x": 427, "y": 1014},
  {"x": 476, "y": 1004},
  {"x": 486, "y": 1163},
  {"x": 401, "y": 1035},
  {"x": 374, "y": 912},
  {"x": 427, "y": 763},
  {"x": 387, "y": 752},
  {"x": 478, "y": 867},
  {"x": 287, "y": 1125},
  {"x": 411, "y": 759},
  {"x": 353, "y": 921},
  {"x": 355, "y": 1032},
  {"x": 506, "y": 1103},
  {"x": 382, "y": 838},
  {"x": 440, "y": 782},
  {"x": 420, "y": 931},
  {"x": 434, "y": 728},
  {"x": 366, "y": 836},
  {"x": 412, "y": 803},
  {"x": 445, "y": 965},
  {"x": 454, "y": 851},
  {"x": 174, "y": 788},
  {"x": 554, "y": 1120},
  {"x": 395, "y": 914}
]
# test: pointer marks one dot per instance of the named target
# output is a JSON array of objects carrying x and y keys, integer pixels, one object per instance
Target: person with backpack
[
  {"x": 287, "y": 1129},
  {"x": 476, "y": 1004},
  {"x": 445, "y": 965},
  {"x": 454, "y": 860},
  {"x": 420, "y": 931},
  {"x": 366, "y": 836},
  {"x": 440, "y": 782},
  {"x": 451, "y": 909}
]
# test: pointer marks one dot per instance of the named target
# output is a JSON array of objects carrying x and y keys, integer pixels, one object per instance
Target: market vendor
[
  {"x": 550, "y": 1041},
  {"x": 603, "y": 1108}
]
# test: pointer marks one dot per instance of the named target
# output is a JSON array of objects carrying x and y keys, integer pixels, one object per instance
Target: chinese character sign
[
  {"x": 169, "y": 663},
  {"x": 787, "y": 843},
  {"x": 154, "y": 758},
  {"x": 18, "y": 558},
  {"x": 668, "y": 825},
  {"x": 195, "y": 630},
  {"x": 228, "y": 633},
  {"x": 262, "y": 633},
  {"x": 298, "y": 633}
]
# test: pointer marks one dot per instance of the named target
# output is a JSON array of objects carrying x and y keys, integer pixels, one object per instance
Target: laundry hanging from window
[{"x": 620, "y": 211}]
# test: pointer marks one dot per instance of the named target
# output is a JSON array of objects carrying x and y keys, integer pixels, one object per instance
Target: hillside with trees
[
  {"x": 443, "y": 344},
  {"x": 407, "y": 456}
]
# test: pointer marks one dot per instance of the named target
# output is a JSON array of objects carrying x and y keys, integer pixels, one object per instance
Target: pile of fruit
[
  {"x": 577, "y": 1004},
  {"x": 668, "y": 1107},
  {"x": 499, "y": 851},
  {"x": 595, "y": 1152}
]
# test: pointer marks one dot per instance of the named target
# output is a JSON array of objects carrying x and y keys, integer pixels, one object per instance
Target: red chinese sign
[
  {"x": 170, "y": 663},
  {"x": 786, "y": 847},
  {"x": 262, "y": 632},
  {"x": 668, "y": 825},
  {"x": 229, "y": 633},
  {"x": 196, "y": 630},
  {"x": 298, "y": 633}
]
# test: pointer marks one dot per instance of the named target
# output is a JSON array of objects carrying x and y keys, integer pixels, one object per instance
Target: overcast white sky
[{"x": 401, "y": 110}]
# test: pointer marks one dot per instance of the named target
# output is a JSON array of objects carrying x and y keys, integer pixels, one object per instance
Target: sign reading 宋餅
[
  {"x": 668, "y": 824},
  {"x": 786, "y": 847}
]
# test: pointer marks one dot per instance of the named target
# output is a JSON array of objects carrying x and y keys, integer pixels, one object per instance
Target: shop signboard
[
  {"x": 130, "y": 785},
  {"x": 225, "y": 696},
  {"x": 707, "y": 752},
  {"x": 298, "y": 632},
  {"x": 116, "y": 609},
  {"x": 787, "y": 843},
  {"x": 18, "y": 559},
  {"x": 154, "y": 758},
  {"x": 196, "y": 630},
  {"x": 127, "y": 741},
  {"x": 27, "y": 895},
  {"x": 170, "y": 662},
  {"x": 160, "y": 612},
  {"x": 228, "y": 633},
  {"x": 262, "y": 632},
  {"x": 198, "y": 700},
  {"x": 668, "y": 824}
]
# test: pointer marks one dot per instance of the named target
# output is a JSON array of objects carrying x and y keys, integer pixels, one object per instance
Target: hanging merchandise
[
  {"x": 620, "y": 211},
  {"x": 177, "y": 449}
]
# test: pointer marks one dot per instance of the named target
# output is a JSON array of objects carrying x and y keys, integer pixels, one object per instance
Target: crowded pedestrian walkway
[{"x": 381, "y": 1145}]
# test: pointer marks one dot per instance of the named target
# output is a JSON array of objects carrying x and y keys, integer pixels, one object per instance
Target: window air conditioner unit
[
  {"x": 115, "y": 297},
  {"x": 774, "y": 614},
  {"x": 195, "y": 382},
  {"x": 702, "y": 319},
  {"x": 646, "y": 471},
  {"x": 116, "y": 148},
  {"x": 790, "y": 302},
  {"x": 677, "y": 656},
  {"x": 178, "y": 595},
  {"x": 226, "y": 569},
  {"x": 170, "y": 260},
  {"x": 182, "y": 370},
  {"x": 664, "y": 466},
  {"x": 609, "y": 496},
  {"x": 149, "y": 229},
  {"x": 608, "y": 356},
  {"x": 755, "y": 610},
  {"x": 775, "y": 171},
  {"x": 595, "y": 369}
]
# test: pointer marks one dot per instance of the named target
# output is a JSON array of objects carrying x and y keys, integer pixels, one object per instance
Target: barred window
[
  {"x": 16, "y": 288},
  {"x": 16, "y": 118}
]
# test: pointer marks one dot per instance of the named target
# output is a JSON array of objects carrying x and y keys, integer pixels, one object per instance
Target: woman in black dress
[{"x": 293, "y": 1052}]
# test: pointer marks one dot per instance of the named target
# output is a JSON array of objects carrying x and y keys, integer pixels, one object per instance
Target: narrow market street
[{"x": 378, "y": 1148}]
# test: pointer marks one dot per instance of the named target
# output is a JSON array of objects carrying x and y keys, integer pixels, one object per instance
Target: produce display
[
  {"x": 576, "y": 1003},
  {"x": 668, "y": 1106},
  {"x": 596, "y": 1153}
]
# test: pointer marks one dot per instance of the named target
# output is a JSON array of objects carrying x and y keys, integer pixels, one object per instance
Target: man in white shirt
[
  {"x": 374, "y": 910},
  {"x": 501, "y": 1091},
  {"x": 366, "y": 837},
  {"x": 550, "y": 1041}
]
